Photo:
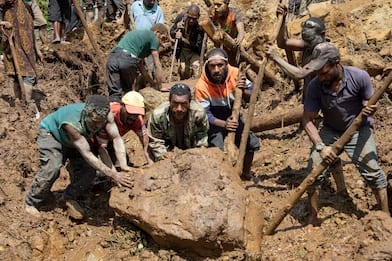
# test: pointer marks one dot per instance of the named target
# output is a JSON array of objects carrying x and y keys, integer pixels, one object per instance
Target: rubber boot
[
  {"x": 246, "y": 175},
  {"x": 336, "y": 170},
  {"x": 89, "y": 17},
  {"x": 382, "y": 199},
  {"x": 313, "y": 195}
]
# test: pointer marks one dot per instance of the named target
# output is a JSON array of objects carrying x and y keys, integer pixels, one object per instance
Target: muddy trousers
[
  {"x": 52, "y": 157},
  {"x": 121, "y": 71}
]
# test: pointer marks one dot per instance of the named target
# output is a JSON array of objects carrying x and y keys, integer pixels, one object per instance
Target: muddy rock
[{"x": 191, "y": 200}]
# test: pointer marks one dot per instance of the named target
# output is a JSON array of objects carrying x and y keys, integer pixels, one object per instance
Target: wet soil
[{"x": 351, "y": 227}]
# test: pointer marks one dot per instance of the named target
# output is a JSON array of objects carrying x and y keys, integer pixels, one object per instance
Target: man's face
[
  {"x": 94, "y": 122},
  {"x": 127, "y": 118},
  {"x": 328, "y": 74},
  {"x": 220, "y": 7},
  {"x": 192, "y": 18},
  {"x": 217, "y": 69},
  {"x": 149, "y": 3},
  {"x": 179, "y": 106}
]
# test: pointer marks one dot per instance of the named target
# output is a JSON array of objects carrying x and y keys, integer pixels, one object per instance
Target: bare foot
[{"x": 56, "y": 41}]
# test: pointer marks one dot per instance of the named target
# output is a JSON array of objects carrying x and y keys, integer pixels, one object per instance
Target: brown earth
[{"x": 351, "y": 229}]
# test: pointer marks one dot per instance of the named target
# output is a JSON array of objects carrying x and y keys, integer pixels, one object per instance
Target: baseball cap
[
  {"x": 134, "y": 102},
  {"x": 323, "y": 53}
]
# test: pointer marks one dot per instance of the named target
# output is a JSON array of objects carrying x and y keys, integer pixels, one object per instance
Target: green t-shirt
[
  {"x": 69, "y": 114},
  {"x": 139, "y": 43}
]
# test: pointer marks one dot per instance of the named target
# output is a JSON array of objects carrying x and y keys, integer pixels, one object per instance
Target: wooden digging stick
[
  {"x": 230, "y": 147},
  {"x": 89, "y": 34},
  {"x": 337, "y": 147},
  {"x": 252, "y": 102}
]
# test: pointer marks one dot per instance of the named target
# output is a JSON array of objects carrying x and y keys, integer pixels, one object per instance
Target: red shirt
[{"x": 137, "y": 126}]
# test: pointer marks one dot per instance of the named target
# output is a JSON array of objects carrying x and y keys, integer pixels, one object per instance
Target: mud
[{"x": 351, "y": 228}]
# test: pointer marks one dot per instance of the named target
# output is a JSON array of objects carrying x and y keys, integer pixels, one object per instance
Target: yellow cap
[{"x": 134, "y": 102}]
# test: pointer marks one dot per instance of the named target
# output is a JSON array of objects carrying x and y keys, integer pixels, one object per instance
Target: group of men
[{"x": 339, "y": 92}]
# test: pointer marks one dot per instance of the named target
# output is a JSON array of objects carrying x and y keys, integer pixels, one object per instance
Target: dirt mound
[{"x": 350, "y": 230}]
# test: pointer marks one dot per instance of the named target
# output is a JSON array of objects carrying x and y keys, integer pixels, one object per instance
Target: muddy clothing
[
  {"x": 38, "y": 17},
  {"x": 146, "y": 18},
  {"x": 194, "y": 35},
  {"x": 114, "y": 10},
  {"x": 138, "y": 126},
  {"x": 22, "y": 26},
  {"x": 164, "y": 136},
  {"x": 55, "y": 148},
  {"x": 229, "y": 23},
  {"x": 217, "y": 100},
  {"x": 339, "y": 110},
  {"x": 123, "y": 61}
]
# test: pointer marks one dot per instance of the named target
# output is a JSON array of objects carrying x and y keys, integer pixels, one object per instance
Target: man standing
[
  {"x": 180, "y": 123},
  {"x": 20, "y": 51},
  {"x": 313, "y": 33},
  {"x": 125, "y": 59},
  {"x": 341, "y": 92},
  {"x": 63, "y": 135},
  {"x": 128, "y": 115},
  {"x": 146, "y": 13},
  {"x": 230, "y": 21},
  {"x": 189, "y": 35},
  {"x": 215, "y": 92}
]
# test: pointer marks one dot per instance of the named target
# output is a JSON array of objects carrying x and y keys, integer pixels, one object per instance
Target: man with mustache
[
  {"x": 128, "y": 115},
  {"x": 215, "y": 91},
  {"x": 340, "y": 92},
  {"x": 180, "y": 123}
]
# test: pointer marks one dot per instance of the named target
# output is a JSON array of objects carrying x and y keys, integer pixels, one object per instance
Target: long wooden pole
[
  {"x": 337, "y": 147},
  {"x": 84, "y": 22},
  {"x": 252, "y": 102}
]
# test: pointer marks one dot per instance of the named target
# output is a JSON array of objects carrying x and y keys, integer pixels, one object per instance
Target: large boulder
[{"x": 192, "y": 200}]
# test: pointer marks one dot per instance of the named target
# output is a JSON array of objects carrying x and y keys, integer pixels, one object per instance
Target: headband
[{"x": 216, "y": 57}]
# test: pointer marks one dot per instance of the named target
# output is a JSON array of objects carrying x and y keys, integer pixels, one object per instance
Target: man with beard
[
  {"x": 190, "y": 40},
  {"x": 128, "y": 115},
  {"x": 63, "y": 135},
  {"x": 313, "y": 33},
  {"x": 228, "y": 20},
  {"x": 340, "y": 92},
  {"x": 215, "y": 91},
  {"x": 180, "y": 123}
]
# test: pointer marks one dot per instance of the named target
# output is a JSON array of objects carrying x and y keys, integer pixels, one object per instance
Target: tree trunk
[{"x": 277, "y": 120}]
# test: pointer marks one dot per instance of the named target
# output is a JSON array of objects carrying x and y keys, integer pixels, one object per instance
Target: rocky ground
[{"x": 351, "y": 228}]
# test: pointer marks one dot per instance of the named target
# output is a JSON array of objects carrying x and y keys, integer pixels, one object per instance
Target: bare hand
[
  {"x": 270, "y": 50},
  {"x": 369, "y": 110},
  {"x": 328, "y": 155},
  {"x": 6, "y": 24},
  {"x": 231, "y": 125},
  {"x": 126, "y": 168},
  {"x": 218, "y": 35},
  {"x": 242, "y": 83},
  {"x": 281, "y": 10},
  {"x": 122, "y": 179},
  {"x": 238, "y": 41},
  {"x": 179, "y": 35}
]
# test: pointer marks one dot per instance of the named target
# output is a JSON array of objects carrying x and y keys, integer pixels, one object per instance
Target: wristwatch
[{"x": 319, "y": 146}]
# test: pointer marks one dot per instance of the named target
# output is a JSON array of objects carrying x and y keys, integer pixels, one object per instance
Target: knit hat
[{"x": 134, "y": 102}]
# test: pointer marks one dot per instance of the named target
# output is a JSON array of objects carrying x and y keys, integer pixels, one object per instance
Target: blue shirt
[
  {"x": 146, "y": 18},
  {"x": 340, "y": 109},
  {"x": 69, "y": 114}
]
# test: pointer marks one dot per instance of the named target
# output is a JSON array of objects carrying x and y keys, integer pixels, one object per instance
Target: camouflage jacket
[{"x": 162, "y": 133}]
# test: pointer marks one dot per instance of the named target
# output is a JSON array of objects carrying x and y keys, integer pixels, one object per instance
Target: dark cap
[{"x": 323, "y": 53}]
